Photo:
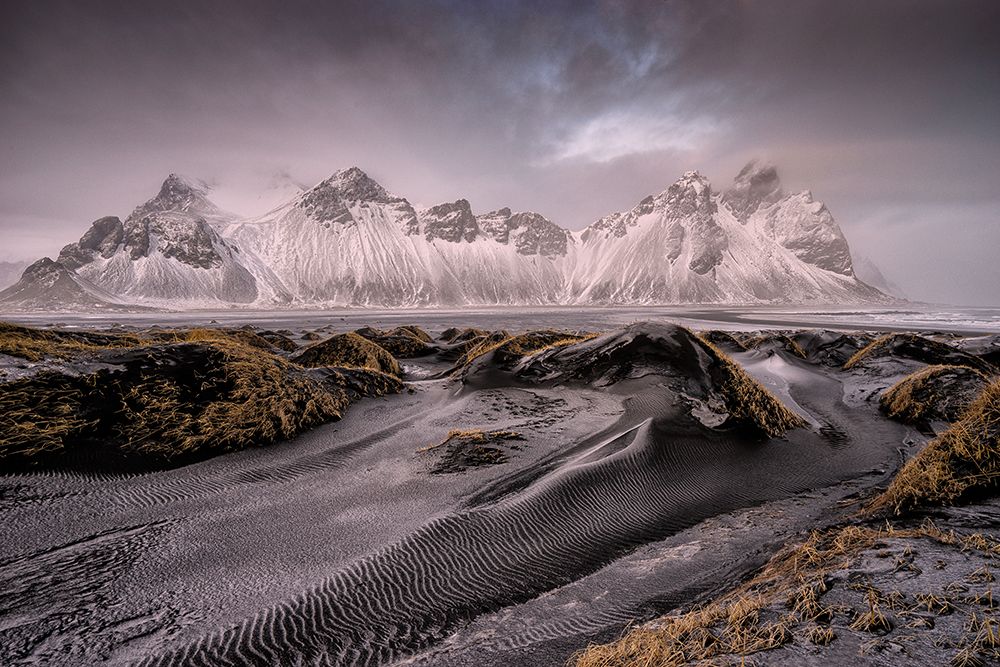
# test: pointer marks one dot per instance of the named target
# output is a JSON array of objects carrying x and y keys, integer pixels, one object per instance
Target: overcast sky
[{"x": 888, "y": 111}]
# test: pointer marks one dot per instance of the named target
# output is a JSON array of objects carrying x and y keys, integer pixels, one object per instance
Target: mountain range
[{"x": 348, "y": 241}]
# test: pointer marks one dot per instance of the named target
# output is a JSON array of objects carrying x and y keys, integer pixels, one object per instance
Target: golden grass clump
[
  {"x": 917, "y": 396},
  {"x": 747, "y": 401},
  {"x": 36, "y": 344},
  {"x": 168, "y": 402},
  {"x": 509, "y": 349},
  {"x": 349, "y": 350},
  {"x": 963, "y": 459},
  {"x": 402, "y": 342},
  {"x": 736, "y": 624},
  {"x": 456, "y": 335}
]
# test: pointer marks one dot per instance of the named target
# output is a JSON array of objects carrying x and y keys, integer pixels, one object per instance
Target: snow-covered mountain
[
  {"x": 752, "y": 243},
  {"x": 348, "y": 241},
  {"x": 168, "y": 252}
]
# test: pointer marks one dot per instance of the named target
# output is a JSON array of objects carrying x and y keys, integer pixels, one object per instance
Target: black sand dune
[{"x": 636, "y": 487}]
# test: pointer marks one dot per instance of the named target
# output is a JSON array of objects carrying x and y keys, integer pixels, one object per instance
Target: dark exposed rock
[
  {"x": 103, "y": 238},
  {"x": 452, "y": 222},
  {"x": 531, "y": 233}
]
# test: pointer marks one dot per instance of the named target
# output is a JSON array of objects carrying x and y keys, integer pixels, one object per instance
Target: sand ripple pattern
[{"x": 657, "y": 479}]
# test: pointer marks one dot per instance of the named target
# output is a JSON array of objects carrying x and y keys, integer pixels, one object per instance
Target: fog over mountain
[{"x": 885, "y": 111}]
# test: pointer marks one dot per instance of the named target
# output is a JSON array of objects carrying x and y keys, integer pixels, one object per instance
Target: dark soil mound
[
  {"x": 469, "y": 449},
  {"x": 916, "y": 348},
  {"x": 830, "y": 348},
  {"x": 693, "y": 368}
]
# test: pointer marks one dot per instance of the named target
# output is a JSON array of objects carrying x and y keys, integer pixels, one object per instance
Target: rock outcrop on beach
[{"x": 349, "y": 241}]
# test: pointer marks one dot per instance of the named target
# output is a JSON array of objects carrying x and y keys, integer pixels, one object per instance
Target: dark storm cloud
[{"x": 887, "y": 110}]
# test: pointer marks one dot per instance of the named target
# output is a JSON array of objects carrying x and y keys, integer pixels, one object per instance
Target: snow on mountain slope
[
  {"x": 752, "y": 244},
  {"x": 49, "y": 285},
  {"x": 348, "y": 241},
  {"x": 169, "y": 253}
]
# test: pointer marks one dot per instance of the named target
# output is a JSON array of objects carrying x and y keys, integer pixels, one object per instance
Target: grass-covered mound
[
  {"x": 35, "y": 344},
  {"x": 916, "y": 348},
  {"x": 168, "y": 403},
  {"x": 507, "y": 350},
  {"x": 456, "y": 335},
  {"x": 939, "y": 392},
  {"x": 351, "y": 350},
  {"x": 747, "y": 401},
  {"x": 404, "y": 342},
  {"x": 962, "y": 461},
  {"x": 830, "y": 348}
]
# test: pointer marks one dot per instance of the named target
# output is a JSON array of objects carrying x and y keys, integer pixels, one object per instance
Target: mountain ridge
[{"x": 349, "y": 241}]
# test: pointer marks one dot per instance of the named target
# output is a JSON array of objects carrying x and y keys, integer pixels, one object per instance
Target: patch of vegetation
[
  {"x": 465, "y": 449},
  {"x": 170, "y": 403},
  {"x": 940, "y": 391},
  {"x": 455, "y": 335},
  {"x": 37, "y": 344},
  {"x": 963, "y": 460},
  {"x": 747, "y": 401},
  {"x": 784, "y": 599},
  {"x": 402, "y": 342},
  {"x": 350, "y": 350},
  {"x": 508, "y": 350},
  {"x": 917, "y": 348},
  {"x": 719, "y": 337}
]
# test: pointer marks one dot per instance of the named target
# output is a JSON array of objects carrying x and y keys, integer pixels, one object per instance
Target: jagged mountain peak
[
  {"x": 328, "y": 201},
  {"x": 353, "y": 184},
  {"x": 690, "y": 194}
]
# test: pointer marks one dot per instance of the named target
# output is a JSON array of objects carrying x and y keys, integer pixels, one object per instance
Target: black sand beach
[{"x": 597, "y": 489}]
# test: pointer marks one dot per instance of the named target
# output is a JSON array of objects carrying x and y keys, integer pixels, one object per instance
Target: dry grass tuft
[
  {"x": 734, "y": 625},
  {"x": 746, "y": 400},
  {"x": 510, "y": 349},
  {"x": 348, "y": 350},
  {"x": 168, "y": 402},
  {"x": 916, "y": 397},
  {"x": 962, "y": 460},
  {"x": 36, "y": 344}
]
